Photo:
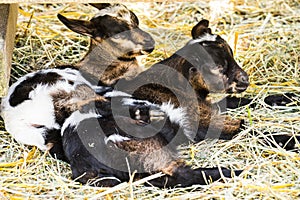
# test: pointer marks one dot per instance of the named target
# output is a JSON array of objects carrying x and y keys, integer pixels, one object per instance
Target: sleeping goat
[
  {"x": 36, "y": 105},
  {"x": 102, "y": 144}
]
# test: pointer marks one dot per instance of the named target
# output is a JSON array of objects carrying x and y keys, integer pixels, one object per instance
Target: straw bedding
[{"x": 265, "y": 38}]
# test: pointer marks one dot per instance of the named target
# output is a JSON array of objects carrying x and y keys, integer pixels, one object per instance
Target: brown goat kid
[
  {"x": 204, "y": 65},
  {"x": 116, "y": 41}
]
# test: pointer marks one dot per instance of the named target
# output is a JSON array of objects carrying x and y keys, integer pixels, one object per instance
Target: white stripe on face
[
  {"x": 133, "y": 102},
  {"x": 205, "y": 38},
  {"x": 116, "y": 93}
]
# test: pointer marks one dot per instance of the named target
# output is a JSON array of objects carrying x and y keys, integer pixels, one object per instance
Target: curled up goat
[
  {"x": 102, "y": 143},
  {"x": 34, "y": 109}
]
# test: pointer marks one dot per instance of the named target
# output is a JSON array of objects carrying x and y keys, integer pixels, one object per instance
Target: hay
[{"x": 266, "y": 37}]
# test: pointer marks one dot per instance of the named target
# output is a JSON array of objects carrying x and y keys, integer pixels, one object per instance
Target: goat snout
[
  {"x": 146, "y": 41},
  {"x": 240, "y": 83},
  {"x": 242, "y": 80},
  {"x": 148, "y": 47}
]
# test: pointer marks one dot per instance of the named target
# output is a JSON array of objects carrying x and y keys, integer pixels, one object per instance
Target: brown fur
[
  {"x": 65, "y": 103},
  {"x": 110, "y": 70},
  {"x": 171, "y": 168},
  {"x": 150, "y": 151}
]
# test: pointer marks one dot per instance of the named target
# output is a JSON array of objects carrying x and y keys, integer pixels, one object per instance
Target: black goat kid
[{"x": 204, "y": 65}]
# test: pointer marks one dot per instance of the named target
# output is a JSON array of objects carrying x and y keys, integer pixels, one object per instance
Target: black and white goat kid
[
  {"x": 102, "y": 144},
  {"x": 36, "y": 105}
]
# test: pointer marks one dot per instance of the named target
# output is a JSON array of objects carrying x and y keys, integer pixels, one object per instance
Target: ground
[{"x": 265, "y": 38}]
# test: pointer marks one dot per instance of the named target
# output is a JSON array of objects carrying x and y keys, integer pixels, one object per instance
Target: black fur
[{"x": 21, "y": 92}]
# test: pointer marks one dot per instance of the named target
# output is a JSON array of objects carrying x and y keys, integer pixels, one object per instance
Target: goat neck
[{"x": 105, "y": 67}]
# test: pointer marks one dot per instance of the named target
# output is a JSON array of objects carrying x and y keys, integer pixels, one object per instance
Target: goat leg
[
  {"x": 185, "y": 176},
  {"x": 288, "y": 142},
  {"x": 281, "y": 99},
  {"x": 272, "y": 100},
  {"x": 221, "y": 127}
]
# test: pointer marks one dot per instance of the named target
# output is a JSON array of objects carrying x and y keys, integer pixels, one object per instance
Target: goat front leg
[
  {"x": 218, "y": 127},
  {"x": 271, "y": 100},
  {"x": 53, "y": 141},
  {"x": 233, "y": 102}
]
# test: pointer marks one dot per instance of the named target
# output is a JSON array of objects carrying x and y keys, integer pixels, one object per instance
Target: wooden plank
[{"x": 8, "y": 20}]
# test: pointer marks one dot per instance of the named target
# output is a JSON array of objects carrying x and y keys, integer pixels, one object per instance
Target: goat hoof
[
  {"x": 238, "y": 172},
  {"x": 231, "y": 173}
]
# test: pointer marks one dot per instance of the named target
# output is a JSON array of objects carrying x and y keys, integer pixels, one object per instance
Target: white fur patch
[
  {"x": 76, "y": 117},
  {"x": 116, "y": 93},
  {"x": 205, "y": 38},
  {"x": 72, "y": 75},
  {"x": 178, "y": 116},
  {"x": 116, "y": 138},
  {"x": 28, "y": 121},
  {"x": 21, "y": 121},
  {"x": 116, "y": 10}
]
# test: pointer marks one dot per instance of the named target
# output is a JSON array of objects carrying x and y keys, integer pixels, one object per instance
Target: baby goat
[
  {"x": 204, "y": 65},
  {"x": 34, "y": 109},
  {"x": 101, "y": 144},
  {"x": 116, "y": 41}
]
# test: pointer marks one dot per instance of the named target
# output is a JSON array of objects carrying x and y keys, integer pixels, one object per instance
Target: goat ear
[
  {"x": 79, "y": 26},
  {"x": 100, "y": 6},
  {"x": 201, "y": 28}
]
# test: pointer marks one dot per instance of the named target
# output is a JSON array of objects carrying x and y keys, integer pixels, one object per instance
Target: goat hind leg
[{"x": 185, "y": 176}]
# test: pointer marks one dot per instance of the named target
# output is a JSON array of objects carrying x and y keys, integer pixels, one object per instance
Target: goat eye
[
  {"x": 117, "y": 36},
  {"x": 193, "y": 69}
]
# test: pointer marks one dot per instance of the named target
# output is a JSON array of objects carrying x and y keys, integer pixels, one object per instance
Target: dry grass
[{"x": 268, "y": 48}]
